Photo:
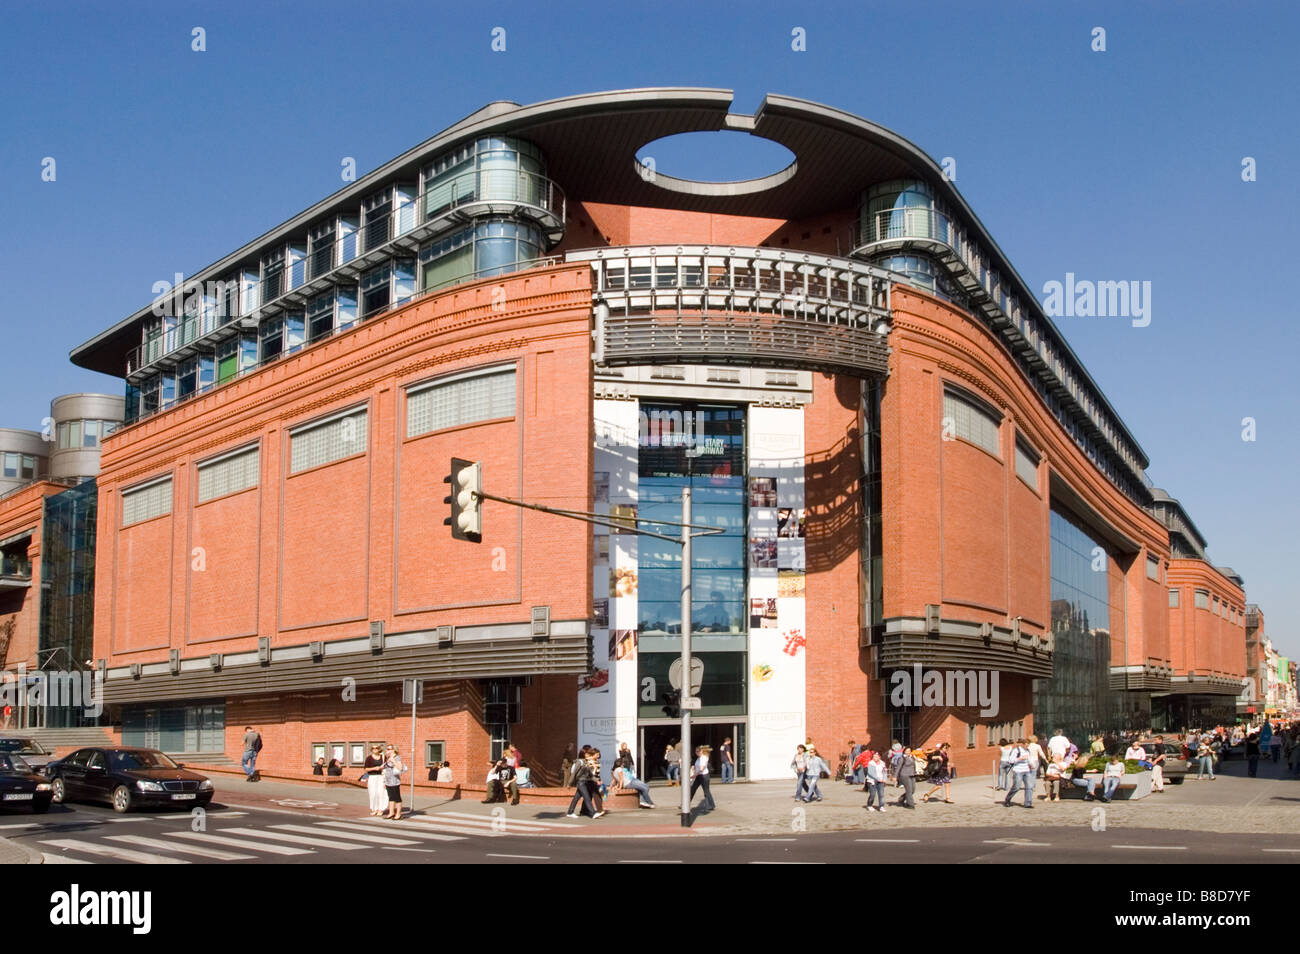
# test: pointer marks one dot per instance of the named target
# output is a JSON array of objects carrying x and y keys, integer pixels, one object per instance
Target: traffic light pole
[{"x": 686, "y": 654}]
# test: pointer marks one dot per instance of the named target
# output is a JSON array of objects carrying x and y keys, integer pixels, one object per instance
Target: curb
[{"x": 11, "y": 849}]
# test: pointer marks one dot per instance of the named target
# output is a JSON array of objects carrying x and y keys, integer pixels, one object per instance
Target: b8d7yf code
[{"x": 1224, "y": 895}]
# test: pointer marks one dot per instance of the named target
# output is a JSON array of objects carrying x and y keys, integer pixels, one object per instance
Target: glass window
[
  {"x": 320, "y": 317},
  {"x": 145, "y": 503},
  {"x": 482, "y": 396},
  {"x": 324, "y": 443},
  {"x": 970, "y": 420},
  {"x": 1026, "y": 464},
  {"x": 271, "y": 334},
  {"x": 12, "y": 463},
  {"x": 74, "y": 433},
  {"x": 376, "y": 292},
  {"x": 28, "y": 466},
  {"x": 90, "y": 434},
  {"x": 293, "y": 332},
  {"x": 1153, "y": 568},
  {"x": 1201, "y": 599},
  {"x": 229, "y": 474},
  {"x": 1173, "y": 599},
  {"x": 434, "y": 752}
]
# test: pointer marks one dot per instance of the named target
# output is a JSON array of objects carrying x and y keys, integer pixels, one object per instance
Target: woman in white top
[{"x": 700, "y": 776}]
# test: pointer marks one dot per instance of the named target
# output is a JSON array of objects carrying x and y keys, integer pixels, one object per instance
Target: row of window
[
  {"x": 455, "y": 401},
  {"x": 1202, "y": 599},
  {"x": 487, "y": 248},
  {"x": 353, "y": 754},
  {"x": 909, "y": 209},
  {"x": 23, "y": 466},
  {"x": 83, "y": 433}
]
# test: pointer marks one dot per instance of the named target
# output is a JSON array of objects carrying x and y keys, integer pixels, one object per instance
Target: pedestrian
[
  {"x": 1252, "y": 754},
  {"x": 1098, "y": 746},
  {"x": 624, "y": 754},
  {"x": 800, "y": 765},
  {"x": 374, "y": 769},
  {"x": 673, "y": 761},
  {"x": 728, "y": 762},
  {"x": 1079, "y": 778},
  {"x": 906, "y": 776},
  {"x": 816, "y": 766},
  {"x": 1156, "y": 757},
  {"x": 896, "y": 754},
  {"x": 1022, "y": 773},
  {"x": 507, "y": 778},
  {"x": 1205, "y": 758},
  {"x": 393, "y": 772},
  {"x": 444, "y": 773},
  {"x": 252, "y": 746},
  {"x": 1058, "y": 745},
  {"x": 566, "y": 764},
  {"x": 524, "y": 775},
  {"x": 858, "y": 762},
  {"x": 1113, "y": 775},
  {"x": 1038, "y": 757},
  {"x": 1275, "y": 746},
  {"x": 1004, "y": 764},
  {"x": 493, "y": 783},
  {"x": 581, "y": 776},
  {"x": 625, "y": 777},
  {"x": 595, "y": 786},
  {"x": 1052, "y": 779},
  {"x": 877, "y": 772},
  {"x": 939, "y": 773},
  {"x": 700, "y": 777}
]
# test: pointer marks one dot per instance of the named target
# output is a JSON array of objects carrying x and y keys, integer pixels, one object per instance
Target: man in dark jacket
[
  {"x": 907, "y": 779},
  {"x": 1252, "y": 754}
]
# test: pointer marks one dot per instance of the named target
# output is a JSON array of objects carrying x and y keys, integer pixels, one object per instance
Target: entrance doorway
[{"x": 656, "y": 737}]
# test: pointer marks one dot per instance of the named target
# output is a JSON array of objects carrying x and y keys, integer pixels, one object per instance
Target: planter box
[{"x": 1132, "y": 786}]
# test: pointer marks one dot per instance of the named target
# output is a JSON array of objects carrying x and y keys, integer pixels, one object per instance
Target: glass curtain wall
[
  {"x": 701, "y": 447},
  {"x": 1078, "y": 697},
  {"x": 67, "y": 620}
]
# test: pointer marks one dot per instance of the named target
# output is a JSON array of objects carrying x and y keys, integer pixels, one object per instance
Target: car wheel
[
  {"x": 40, "y": 808},
  {"x": 57, "y": 791},
  {"x": 121, "y": 799}
]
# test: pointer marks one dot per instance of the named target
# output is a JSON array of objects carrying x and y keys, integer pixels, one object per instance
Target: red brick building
[{"x": 911, "y": 473}]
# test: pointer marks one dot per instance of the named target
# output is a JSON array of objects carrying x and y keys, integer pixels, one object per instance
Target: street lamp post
[{"x": 686, "y": 688}]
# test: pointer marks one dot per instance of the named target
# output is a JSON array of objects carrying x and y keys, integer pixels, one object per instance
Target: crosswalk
[{"x": 279, "y": 840}]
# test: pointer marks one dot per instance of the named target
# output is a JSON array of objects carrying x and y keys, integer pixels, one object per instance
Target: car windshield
[
  {"x": 121, "y": 761},
  {"x": 11, "y": 762},
  {"x": 22, "y": 747}
]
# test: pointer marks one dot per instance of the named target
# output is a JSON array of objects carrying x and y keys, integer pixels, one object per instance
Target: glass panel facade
[
  {"x": 67, "y": 619},
  {"x": 701, "y": 447},
  {"x": 1078, "y": 698}
]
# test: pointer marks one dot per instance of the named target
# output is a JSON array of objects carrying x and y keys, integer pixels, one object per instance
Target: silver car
[{"x": 32, "y": 752}]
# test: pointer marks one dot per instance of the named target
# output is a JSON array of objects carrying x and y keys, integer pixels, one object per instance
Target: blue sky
[{"x": 1116, "y": 165}]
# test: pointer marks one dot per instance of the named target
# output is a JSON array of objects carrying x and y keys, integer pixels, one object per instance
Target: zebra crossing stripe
[
  {"x": 215, "y": 854},
  {"x": 242, "y": 843},
  {"x": 297, "y": 839},
  {"x": 112, "y": 851},
  {"x": 349, "y": 835},
  {"x": 409, "y": 832},
  {"x": 513, "y": 823}
]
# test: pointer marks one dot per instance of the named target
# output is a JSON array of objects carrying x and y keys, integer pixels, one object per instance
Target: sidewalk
[{"x": 1268, "y": 804}]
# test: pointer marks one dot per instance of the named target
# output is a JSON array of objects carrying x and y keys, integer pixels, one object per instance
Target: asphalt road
[{"x": 91, "y": 834}]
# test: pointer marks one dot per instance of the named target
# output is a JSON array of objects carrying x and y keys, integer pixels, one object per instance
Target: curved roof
[{"x": 590, "y": 142}]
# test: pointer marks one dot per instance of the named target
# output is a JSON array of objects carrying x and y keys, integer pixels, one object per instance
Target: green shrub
[{"x": 1098, "y": 763}]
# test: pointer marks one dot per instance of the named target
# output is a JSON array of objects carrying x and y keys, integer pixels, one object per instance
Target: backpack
[{"x": 257, "y": 743}]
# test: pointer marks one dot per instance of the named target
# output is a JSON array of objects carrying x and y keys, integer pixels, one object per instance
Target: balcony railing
[
  {"x": 16, "y": 568},
  {"x": 457, "y": 200},
  {"x": 402, "y": 302},
  {"x": 754, "y": 306}
]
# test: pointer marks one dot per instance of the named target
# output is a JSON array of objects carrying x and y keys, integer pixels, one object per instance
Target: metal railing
[
  {"x": 699, "y": 304},
  {"x": 521, "y": 265},
  {"x": 526, "y": 194}
]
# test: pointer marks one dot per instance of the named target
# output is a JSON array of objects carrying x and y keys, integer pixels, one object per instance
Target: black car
[
  {"x": 126, "y": 778},
  {"x": 20, "y": 786},
  {"x": 32, "y": 752}
]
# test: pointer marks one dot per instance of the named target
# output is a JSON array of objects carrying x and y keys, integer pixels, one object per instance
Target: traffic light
[
  {"x": 672, "y": 699},
  {"x": 466, "y": 518}
]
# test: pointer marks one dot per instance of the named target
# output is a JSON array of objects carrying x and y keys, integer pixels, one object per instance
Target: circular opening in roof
[{"x": 721, "y": 162}]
